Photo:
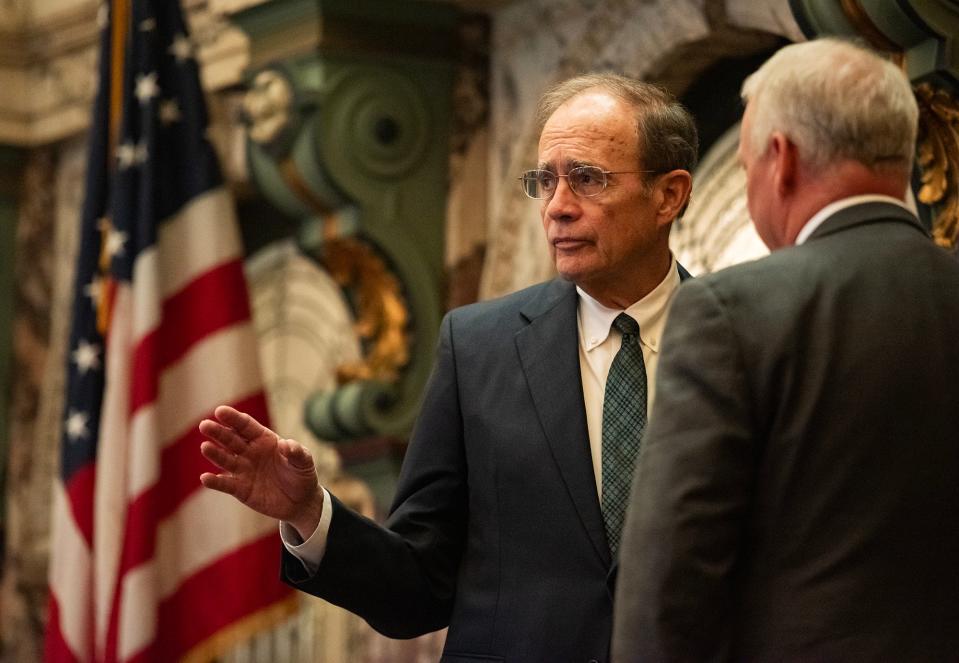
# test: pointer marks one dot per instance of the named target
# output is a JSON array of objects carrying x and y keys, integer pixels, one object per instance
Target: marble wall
[{"x": 45, "y": 243}]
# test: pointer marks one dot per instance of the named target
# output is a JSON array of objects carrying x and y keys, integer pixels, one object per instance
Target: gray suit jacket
[{"x": 797, "y": 494}]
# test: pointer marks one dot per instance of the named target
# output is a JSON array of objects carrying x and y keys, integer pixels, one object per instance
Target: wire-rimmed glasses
[{"x": 583, "y": 180}]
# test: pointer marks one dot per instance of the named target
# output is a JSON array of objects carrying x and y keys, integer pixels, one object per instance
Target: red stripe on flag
[
  {"x": 79, "y": 491},
  {"x": 214, "y": 598},
  {"x": 213, "y": 301},
  {"x": 55, "y": 647},
  {"x": 180, "y": 467}
]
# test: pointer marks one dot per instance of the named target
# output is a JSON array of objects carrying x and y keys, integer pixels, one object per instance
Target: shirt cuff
[{"x": 309, "y": 552}]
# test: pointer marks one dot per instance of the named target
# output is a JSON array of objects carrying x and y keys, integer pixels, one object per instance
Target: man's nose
[{"x": 564, "y": 205}]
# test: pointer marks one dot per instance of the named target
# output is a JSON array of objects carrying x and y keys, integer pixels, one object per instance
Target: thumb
[{"x": 296, "y": 454}]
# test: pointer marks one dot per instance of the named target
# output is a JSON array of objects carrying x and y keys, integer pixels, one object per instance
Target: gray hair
[
  {"x": 835, "y": 100},
  {"x": 666, "y": 132}
]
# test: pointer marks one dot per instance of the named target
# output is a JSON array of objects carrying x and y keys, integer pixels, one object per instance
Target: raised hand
[{"x": 267, "y": 473}]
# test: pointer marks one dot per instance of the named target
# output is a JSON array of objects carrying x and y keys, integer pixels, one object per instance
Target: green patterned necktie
[{"x": 624, "y": 419}]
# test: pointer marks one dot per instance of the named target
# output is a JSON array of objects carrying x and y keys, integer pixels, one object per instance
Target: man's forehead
[{"x": 581, "y": 146}]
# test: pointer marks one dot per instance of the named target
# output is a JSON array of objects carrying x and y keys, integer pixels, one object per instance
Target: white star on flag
[
  {"x": 146, "y": 87},
  {"x": 181, "y": 48},
  {"x": 169, "y": 111},
  {"x": 86, "y": 356},
  {"x": 94, "y": 290},
  {"x": 148, "y": 25},
  {"x": 126, "y": 154},
  {"x": 115, "y": 241},
  {"x": 77, "y": 425}
]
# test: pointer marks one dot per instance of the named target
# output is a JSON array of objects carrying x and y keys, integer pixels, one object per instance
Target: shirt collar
[
  {"x": 595, "y": 319},
  {"x": 833, "y": 207}
]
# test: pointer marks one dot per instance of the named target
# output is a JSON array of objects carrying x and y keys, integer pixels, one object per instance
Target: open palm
[{"x": 267, "y": 473}]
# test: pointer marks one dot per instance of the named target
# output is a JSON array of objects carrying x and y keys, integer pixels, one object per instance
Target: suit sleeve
[
  {"x": 401, "y": 578},
  {"x": 690, "y": 493}
]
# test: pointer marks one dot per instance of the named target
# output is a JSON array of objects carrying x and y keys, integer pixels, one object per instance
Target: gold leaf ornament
[{"x": 938, "y": 158}]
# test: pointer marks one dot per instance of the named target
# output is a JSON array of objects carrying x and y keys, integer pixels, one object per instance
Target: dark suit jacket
[
  {"x": 797, "y": 494},
  {"x": 496, "y": 527}
]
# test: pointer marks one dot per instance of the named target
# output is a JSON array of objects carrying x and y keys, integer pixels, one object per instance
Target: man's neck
[
  {"x": 623, "y": 292},
  {"x": 838, "y": 182}
]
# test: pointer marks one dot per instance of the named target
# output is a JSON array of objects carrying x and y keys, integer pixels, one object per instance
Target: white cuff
[{"x": 309, "y": 552}]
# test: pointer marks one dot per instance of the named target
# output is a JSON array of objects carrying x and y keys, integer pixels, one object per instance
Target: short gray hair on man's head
[
  {"x": 834, "y": 100},
  {"x": 666, "y": 132}
]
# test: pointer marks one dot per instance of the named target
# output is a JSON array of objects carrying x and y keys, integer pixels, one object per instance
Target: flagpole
[{"x": 120, "y": 13}]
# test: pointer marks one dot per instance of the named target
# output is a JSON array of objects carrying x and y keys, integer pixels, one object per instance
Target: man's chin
[{"x": 577, "y": 277}]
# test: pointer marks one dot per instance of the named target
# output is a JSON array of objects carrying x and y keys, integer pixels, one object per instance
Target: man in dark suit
[
  {"x": 797, "y": 494},
  {"x": 510, "y": 501}
]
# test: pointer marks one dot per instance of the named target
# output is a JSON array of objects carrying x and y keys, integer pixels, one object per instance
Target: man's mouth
[{"x": 569, "y": 243}]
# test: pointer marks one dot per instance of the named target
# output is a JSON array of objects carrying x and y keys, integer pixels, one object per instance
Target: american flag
[{"x": 145, "y": 564}]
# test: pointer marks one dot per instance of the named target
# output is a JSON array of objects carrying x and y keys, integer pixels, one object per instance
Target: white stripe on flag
[
  {"x": 138, "y": 610},
  {"x": 187, "y": 541},
  {"x": 70, "y": 583},
  {"x": 109, "y": 500},
  {"x": 189, "y": 390},
  {"x": 202, "y": 235},
  {"x": 209, "y": 538}
]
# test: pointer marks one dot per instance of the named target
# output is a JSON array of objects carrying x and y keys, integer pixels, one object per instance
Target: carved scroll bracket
[{"x": 352, "y": 140}]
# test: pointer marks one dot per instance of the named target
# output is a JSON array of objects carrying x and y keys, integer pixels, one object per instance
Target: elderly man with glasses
[{"x": 507, "y": 517}]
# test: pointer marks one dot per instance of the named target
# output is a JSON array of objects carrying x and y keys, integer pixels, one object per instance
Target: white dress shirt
[{"x": 598, "y": 344}]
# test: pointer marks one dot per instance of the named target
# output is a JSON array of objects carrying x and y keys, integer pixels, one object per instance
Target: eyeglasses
[{"x": 583, "y": 180}]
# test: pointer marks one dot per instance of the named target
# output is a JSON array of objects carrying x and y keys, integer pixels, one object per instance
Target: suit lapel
[{"x": 549, "y": 353}]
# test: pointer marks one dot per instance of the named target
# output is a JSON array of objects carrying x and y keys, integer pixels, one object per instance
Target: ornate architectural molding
[
  {"x": 350, "y": 137},
  {"x": 48, "y": 63},
  {"x": 939, "y": 159}
]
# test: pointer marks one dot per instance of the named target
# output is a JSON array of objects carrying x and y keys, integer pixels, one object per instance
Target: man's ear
[
  {"x": 673, "y": 190},
  {"x": 785, "y": 161}
]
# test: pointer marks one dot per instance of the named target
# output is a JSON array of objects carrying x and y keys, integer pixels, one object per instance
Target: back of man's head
[{"x": 835, "y": 101}]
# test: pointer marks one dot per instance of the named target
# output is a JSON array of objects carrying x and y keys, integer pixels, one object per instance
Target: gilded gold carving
[
  {"x": 376, "y": 296},
  {"x": 938, "y": 156},
  {"x": 381, "y": 311}
]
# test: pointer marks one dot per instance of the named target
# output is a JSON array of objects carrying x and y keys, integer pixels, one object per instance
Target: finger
[
  {"x": 296, "y": 454},
  {"x": 224, "y": 436},
  {"x": 241, "y": 422},
  {"x": 220, "y": 482},
  {"x": 219, "y": 456}
]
